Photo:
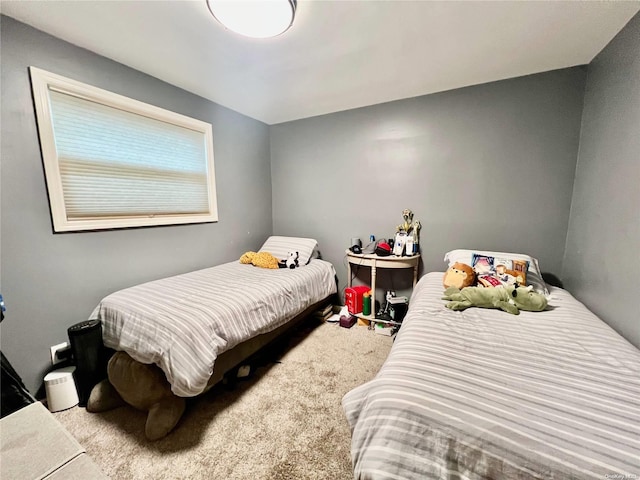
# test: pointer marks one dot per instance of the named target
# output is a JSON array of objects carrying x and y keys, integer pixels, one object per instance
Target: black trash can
[{"x": 90, "y": 357}]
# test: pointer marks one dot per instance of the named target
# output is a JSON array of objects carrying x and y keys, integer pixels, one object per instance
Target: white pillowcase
[
  {"x": 534, "y": 276},
  {"x": 280, "y": 247}
]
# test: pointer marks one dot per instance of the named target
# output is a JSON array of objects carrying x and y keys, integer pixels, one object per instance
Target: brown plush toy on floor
[{"x": 144, "y": 387}]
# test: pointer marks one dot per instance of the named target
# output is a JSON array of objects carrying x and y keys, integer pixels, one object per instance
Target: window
[{"x": 114, "y": 162}]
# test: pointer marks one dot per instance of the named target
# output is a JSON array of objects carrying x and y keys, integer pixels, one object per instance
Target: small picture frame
[{"x": 398, "y": 244}]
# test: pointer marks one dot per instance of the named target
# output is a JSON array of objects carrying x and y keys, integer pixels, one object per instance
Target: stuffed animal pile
[
  {"x": 501, "y": 283},
  {"x": 488, "y": 272}
]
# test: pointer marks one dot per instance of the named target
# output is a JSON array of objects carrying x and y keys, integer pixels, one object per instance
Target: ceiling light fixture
[{"x": 254, "y": 18}]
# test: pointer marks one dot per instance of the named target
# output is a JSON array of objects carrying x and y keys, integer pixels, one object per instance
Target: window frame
[{"x": 42, "y": 82}]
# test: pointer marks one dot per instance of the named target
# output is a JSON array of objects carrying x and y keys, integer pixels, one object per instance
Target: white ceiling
[{"x": 339, "y": 54}]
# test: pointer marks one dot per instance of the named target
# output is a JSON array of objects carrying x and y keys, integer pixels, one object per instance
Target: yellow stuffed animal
[{"x": 260, "y": 259}]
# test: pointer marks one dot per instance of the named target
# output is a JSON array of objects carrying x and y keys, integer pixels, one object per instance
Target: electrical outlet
[{"x": 59, "y": 353}]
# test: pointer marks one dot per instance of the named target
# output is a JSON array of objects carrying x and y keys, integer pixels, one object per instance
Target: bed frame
[{"x": 229, "y": 360}]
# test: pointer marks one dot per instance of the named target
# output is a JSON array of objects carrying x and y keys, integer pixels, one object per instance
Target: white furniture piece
[{"x": 374, "y": 262}]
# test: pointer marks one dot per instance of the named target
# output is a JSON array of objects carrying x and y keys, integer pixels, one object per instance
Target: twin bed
[
  {"x": 482, "y": 394},
  {"x": 197, "y": 326}
]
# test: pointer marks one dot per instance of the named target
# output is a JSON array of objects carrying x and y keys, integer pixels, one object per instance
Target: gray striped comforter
[
  {"x": 183, "y": 323},
  {"x": 484, "y": 394}
]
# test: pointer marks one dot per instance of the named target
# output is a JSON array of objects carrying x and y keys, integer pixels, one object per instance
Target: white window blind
[{"x": 114, "y": 162}]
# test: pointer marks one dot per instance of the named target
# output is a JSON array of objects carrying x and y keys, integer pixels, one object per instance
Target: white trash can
[{"x": 61, "y": 389}]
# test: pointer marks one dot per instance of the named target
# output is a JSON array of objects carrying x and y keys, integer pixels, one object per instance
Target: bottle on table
[{"x": 366, "y": 303}]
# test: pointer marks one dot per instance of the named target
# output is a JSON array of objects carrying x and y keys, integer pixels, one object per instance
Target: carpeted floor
[{"x": 284, "y": 422}]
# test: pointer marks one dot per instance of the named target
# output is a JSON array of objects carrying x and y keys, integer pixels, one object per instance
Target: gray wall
[
  {"x": 602, "y": 256},
  {"x": 485, "y": 167},
  {"x": 51, "y": 281}
]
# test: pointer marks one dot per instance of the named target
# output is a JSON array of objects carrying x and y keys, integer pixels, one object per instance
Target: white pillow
[
  {"x": 280, "y": 247},
  {"x": 534, "y": 276}
]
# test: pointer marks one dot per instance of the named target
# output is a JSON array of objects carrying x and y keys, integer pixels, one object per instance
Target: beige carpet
[{"x": 284, "y": 422}]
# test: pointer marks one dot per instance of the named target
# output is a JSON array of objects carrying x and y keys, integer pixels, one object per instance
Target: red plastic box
[{"x": 353, "y": 298}]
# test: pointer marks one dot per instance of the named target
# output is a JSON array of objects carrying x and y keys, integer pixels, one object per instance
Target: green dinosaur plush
[{"x": 509, "y": 299}]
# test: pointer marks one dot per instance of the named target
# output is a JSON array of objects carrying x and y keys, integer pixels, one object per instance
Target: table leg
[
  {"x": 415, "y": 275},
  {"x": 373, "y": 290},
  {"x": 348, "y": 273}
]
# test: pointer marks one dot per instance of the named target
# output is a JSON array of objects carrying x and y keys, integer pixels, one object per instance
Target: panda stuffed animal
[{"x": 291, "y": 261}]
